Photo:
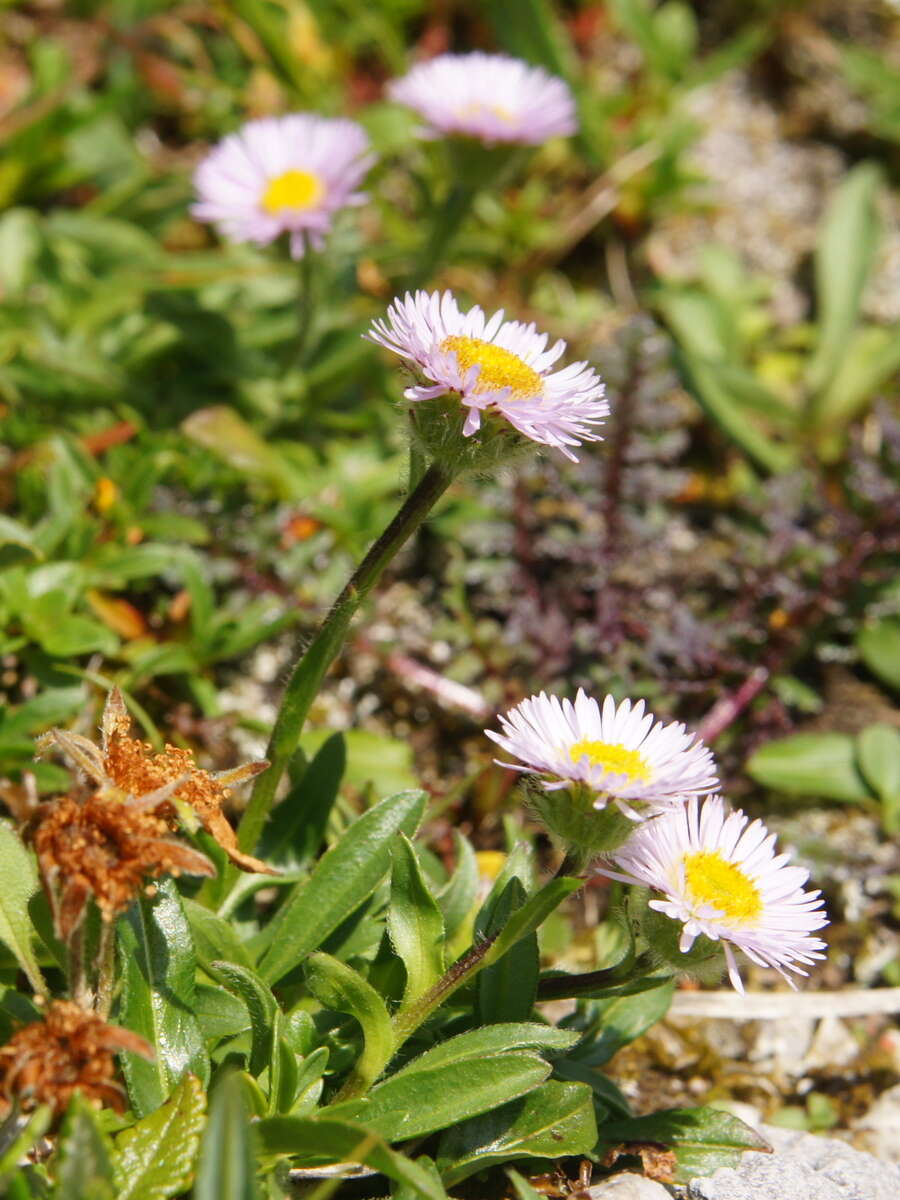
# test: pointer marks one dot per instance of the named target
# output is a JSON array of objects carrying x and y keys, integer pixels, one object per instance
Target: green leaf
[
  {"x": 870, "y": 358},
  {"x": 83, "y": 1164},
  {"x": 155, "y": 1157},
  {"x": 507, "y": 989},
  {"x": 24, "y": 1138},
  {"x": 342, "y": 880},
  {"x": 219, "y": 1014},
  {"x": 225, "y": 432},
  {"x": 320, "y": 1140},
  {"x": 532, "y": 914},
  {"x": 372, "y": 758},
  {"x": 414, "y": 922},
  {"x": 879, "y": 645},
  {"x": 296, "y": 829},
  {"x": 713, "y": 383},
  {"x": 337, "y": 986},
  {"x": 227, "y": 1167},
  {"x": 521, "y": 1186},
  {"x": 215, "y": 939},
  {"x": 848, "y": 240},
  {"x": 821, "y": 765},
  {"x": 158, "y": 967},
  {"x": 490, "y": 1040},
  {"x": 458, "y": 898},
  {"x": 554, "y": 1120},
  {"x": 19, "y": 536},
  {"x": 18, "y": 883},
  {"x": 261, "y": 1005},
  {"x": 878, "y": 754},
  {"x": 411, "y": 1105},
  {"x": 620, "y": 1019},
  {"x": 703, "y": 1139}
]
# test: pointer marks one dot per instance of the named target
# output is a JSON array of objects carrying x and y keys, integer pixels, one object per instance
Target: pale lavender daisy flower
[
  {"x": 283, "y": 175},
  {"x": 494, "y": 364},
  {"x": 722, "y": 878},
  {"x": 621, "y": 753},
  {"x": 492, "y": 97}
]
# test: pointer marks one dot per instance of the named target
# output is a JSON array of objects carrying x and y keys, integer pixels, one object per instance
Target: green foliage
[
  {"x": 18, "y": 882},
  {"x": 182, "y": 484},
  {"x": 703, "y": 1139},
  {"x": 158, "y": 973}
]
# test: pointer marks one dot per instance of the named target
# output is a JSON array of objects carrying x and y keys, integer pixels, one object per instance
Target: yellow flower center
[
  {"x": 711, "y": 879},
  {"x": 295, "y": 190},
  {"x": 613, "y": 757},
  {"x": 499, "y": 368},
  {"x": 475, "y": 109}
]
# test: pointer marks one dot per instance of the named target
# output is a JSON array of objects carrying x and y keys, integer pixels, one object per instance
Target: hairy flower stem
[
  {"x": 78, "y": 985},
  {"x": 313, "y": 663},
  {"x": 448, "y": 220},
  {"x": 563, "y": 987},
  {"x": 106, "y": 970},
  {"x": 305, "y": 304}
]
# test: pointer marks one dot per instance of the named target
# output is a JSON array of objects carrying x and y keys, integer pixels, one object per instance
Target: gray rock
[
  {"x": 629, "y": 1187},
  {"x": 803, "y": 1167}
]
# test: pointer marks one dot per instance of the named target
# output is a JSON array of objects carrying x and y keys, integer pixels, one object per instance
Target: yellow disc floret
[
  {"x": 712, "y": 879},
  {"x": 499, "y": 368},
  {"x": 617, "y": 759},
  {"x": 293, "y": 190}
]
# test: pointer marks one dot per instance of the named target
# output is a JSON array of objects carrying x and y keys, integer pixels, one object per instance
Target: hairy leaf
[{"x": 155, "y": 1158}]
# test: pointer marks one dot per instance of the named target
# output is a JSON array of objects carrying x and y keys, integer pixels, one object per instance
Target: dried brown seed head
[{"x": 69, "y": 1051}]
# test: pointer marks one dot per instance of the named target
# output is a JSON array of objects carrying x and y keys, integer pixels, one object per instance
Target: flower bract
[
  {"x": 496, "y": 366},
  {"x": 619, "y": 752},
  {"x": 491, "y": 97},
  {"x": 279, "y": 175},
  {"x": 719, "y": 874}
]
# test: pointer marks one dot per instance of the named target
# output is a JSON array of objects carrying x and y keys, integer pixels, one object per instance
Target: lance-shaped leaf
[
  {"x": 343, "y": 879},
  {"x": 18, "y": 883},
  {"x": 620, "y": 1019},
  {"x": 846, "y": 248},
  {"x": 261, "y": 1005},
  {"x": 878, "y": 755},
  {"x": 83, "y": 1163},
  {"x": 321, "y": 1140},
  {"x": 439, "y": 1097},
  {"x": 227, "y": 1168},
  {"x": 296, "y": 829},
  {"x": 414, "y": 922},
  {"x": 507, "y": 989},
  {"x": 158, "y": 968},
  {"x": 703, "y": 1139},
  {"x": 337, "y": 986},
  {"x": 458, "y": 897},
  {"x": 490, "y": 1040},
  {"x": 812, "y": 764},
  {"x": 554, "y": 1120},
  {"x": 154, "y": 1158},
  {"x": 215, "y": 939}
]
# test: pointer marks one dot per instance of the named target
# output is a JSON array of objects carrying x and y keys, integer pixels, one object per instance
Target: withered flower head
[
  {"x": 104, "y": 846},
  {"x": 136, "y": 769},
  {"x": 69, "y": 1051}
]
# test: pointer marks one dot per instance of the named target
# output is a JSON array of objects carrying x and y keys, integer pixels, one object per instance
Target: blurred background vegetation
[{"x": 180, "y": 499}]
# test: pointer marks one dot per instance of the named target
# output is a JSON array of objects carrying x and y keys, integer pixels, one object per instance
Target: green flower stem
[
  {"x": 448, "y": 220},
  {"x": 308, "y": 673},
  {"x": 563, "y": 987},
  {"x": 305, "y": 304}
]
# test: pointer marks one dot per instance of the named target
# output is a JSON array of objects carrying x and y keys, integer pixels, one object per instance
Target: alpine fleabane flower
[
  {"x": 279, "y": 175},
  {"x": 491, "y": 97},
  {"x": 620, "y": 753},
  {"x": 495, "y": 365},
  {"x": 721, "y": 877}
]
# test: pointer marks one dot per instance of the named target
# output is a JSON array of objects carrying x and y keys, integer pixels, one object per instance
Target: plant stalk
[
  {"x": 563, "y": 987},
  {"x": 313, "y": 663}
]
